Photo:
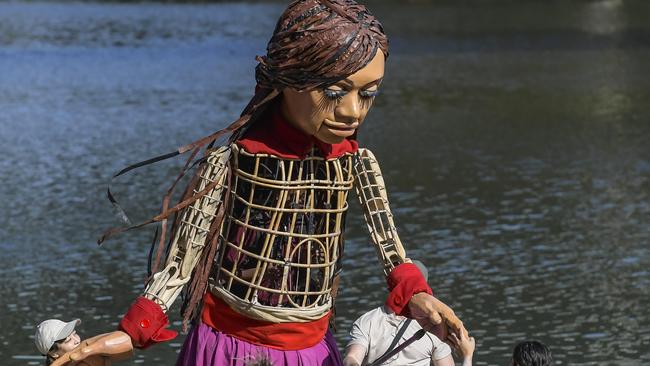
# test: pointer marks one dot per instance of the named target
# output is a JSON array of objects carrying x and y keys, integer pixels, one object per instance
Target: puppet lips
[{"x": 340, "y": 126}]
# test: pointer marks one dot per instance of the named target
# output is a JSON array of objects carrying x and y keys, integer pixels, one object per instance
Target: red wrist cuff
[
  {"x": 145, "y": 323},
  {"x": 404, "y": 281}
]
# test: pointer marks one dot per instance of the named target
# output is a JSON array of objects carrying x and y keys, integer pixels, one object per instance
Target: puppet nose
[{"x": 349, "y": 109}]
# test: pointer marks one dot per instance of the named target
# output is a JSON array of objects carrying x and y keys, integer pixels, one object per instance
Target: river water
[{"x": 513, "y": 135}]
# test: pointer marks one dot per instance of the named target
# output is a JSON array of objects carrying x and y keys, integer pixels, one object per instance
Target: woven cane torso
[{"x": 282, "y": 238}]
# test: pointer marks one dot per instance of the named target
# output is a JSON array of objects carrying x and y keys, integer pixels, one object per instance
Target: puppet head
[{"x": 326, "y": 60}]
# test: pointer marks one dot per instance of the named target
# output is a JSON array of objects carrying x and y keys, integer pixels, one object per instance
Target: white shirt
[{"x": 376, "y": 329}]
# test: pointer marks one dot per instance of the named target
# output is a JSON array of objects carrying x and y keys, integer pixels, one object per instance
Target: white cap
[
  {"x": 422, "y": 268},
  {"x": 52, "y": 330}
]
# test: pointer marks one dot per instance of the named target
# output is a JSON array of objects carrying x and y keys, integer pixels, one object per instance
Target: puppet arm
[
  {"x": 146, "y": 320},
  {"x": 371, "y": 190},
  {"x": 99, "y": 350},
  {"x": 191, "y": 234},
  {"x": 404, "y": 279}
]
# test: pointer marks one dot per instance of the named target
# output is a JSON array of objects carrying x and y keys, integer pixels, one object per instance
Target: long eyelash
[
  {"x": 334, "y": 95},
  {"x": 367, "y": 97},
  {"x": 330, "y": 99},
  {"x": 369, "y": 94}
]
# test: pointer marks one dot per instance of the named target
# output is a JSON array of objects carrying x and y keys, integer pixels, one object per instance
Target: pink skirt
[{"x": 205, "y": 346}]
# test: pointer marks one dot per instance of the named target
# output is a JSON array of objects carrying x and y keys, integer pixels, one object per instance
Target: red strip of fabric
[
  {"x": 282, "y": 336},
  {"x": 276, "y": 136}
]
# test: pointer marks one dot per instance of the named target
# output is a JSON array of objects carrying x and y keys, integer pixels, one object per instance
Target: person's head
[
  {"x": 326, "y": 59},
  {"x": 531, "y": 353},
  {"x": 423, "y": 269},
  {"x": 54, "y": 338}
]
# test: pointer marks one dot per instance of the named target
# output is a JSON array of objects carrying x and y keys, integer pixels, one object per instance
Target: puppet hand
[
  {"x": 86, "y": 349},
  {"x": 73, "y": 357},
  {"x": 115, "y": 346},
  {"x": 431, "y": 313},
  {"x": 81, "y": 352}
]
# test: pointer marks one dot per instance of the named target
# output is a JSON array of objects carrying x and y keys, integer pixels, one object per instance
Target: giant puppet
[{"x": 257, "y": 238}]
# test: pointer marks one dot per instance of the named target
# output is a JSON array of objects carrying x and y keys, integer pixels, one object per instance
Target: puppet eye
[
  {"x": 332, "y": 94},
  {"x": 369, "y": 93}
]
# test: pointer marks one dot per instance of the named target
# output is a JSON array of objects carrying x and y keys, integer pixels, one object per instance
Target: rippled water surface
[{"x": 514, "y": 137}]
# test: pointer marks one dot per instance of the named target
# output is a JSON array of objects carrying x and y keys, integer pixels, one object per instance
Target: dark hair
[
  {"x": 532, "y": 353},
  {"x": 49, "y": 357},
  {"x": 319, "y": 42}
]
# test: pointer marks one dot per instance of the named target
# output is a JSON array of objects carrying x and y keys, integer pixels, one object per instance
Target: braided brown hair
[{"x": 317, "y": 43}]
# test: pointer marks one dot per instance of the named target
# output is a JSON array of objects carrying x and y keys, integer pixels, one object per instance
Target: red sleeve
[
  {"x": 404, "y": 281},
  {"x": 145, "y": 323}
]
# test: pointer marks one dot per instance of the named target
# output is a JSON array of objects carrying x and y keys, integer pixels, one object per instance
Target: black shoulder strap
[{"x": 399, "y": 335}]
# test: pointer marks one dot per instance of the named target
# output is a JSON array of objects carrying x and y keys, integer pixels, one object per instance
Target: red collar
[{"x": 275, "y": 136}]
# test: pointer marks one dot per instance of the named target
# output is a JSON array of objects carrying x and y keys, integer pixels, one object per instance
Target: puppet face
[{"x": 335, "y": 112}]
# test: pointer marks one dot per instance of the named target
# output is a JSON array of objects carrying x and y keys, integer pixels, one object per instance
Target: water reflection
[{"x": 524, "y": 185}]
